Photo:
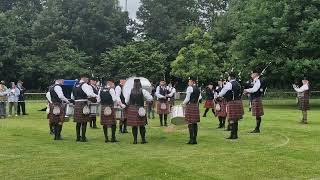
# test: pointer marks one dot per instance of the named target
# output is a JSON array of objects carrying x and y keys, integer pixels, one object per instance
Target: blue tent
[{"x": 67, "y": 87}]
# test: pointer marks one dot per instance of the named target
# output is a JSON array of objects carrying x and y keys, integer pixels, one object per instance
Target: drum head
[{"x": 178, "y": 121}]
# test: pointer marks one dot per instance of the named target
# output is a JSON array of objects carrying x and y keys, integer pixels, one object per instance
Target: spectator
[
  {"x": 13, "y": 97},
  {"x": 3, "y": 99},
  {"x": 21, "y": 103}
]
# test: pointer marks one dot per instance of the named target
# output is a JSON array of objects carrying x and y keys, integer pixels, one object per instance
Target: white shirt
[
  {"x": 112, "y": 92},
  {"x": 226, "y": 88},
  {"x": 189, "y": 92},
  {"x": 158, "y": 95},
  {"x": 58, "y": 90},
  {"x": 118, "y": 91},
  {"x": 48, "y": 96},
  {"x": 256, "y": 86},
  {"x": 145, "y": 93},
  {"x": 87, "y": 89},
  {"x": 303, "y": 88},
  {"x": 172, "y": 91}
]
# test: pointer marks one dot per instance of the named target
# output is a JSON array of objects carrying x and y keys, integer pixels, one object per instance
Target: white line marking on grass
[{"x": 285, "y": 143}]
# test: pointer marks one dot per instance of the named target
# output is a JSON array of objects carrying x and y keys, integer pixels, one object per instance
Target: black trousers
[{"x": 21, "y": 108}]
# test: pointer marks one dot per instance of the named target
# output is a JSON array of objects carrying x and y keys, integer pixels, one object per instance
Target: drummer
[
  {"x": 221, "y": 112},
  {"x": 93, "y": 117},
  {"x": 108, "y": 99},
  {"x": 119, "y": 94},
  {"x": 82, "y": 94},
  {"x": 192, "y": 113},
  {"x": 56, "y": 99},
  {"x": 136, "y": 110},
  {"x": 163, "y": 106},
  {"x": 209, "y": 100}
]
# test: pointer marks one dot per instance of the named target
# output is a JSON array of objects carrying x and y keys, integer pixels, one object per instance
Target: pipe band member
[
  {"x": 123, "y": 119},
  {"x": 93, "y": 117},
  {"x": 303, "y": 99},
  {"x": 192, "y": 113},
  {"x": 209, "y": 100},
  {"x": 231, "y": 92},
  {"x": 256, "y": 93},
  {"x": 108, "y": 99},
  {"x": 221, "y": 106},
  {"x": 136, "y": 111},
  {"x": 56, "y": 114},
  {"x": 82, "y": 94},
  {"x": 163, "y": 105}
]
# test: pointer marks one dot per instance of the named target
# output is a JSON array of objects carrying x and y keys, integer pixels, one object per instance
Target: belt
[{"x": 81, "y": 100}]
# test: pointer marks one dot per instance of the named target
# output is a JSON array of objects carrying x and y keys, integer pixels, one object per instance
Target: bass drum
[
  {"x": 146, "y": 85},
  {"x": 177, "y": 115}
]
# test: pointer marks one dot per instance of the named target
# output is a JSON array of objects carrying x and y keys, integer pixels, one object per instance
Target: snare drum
[
  {"x": 119, "y": 114},
  {"x": 177, "y": 115},
  {"x": 69, "y": 109},
  {"x": 93, "y": 109}
]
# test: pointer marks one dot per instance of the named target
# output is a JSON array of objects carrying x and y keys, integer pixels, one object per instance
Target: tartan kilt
[
  {"x": 223, "y": 111},
  {"x": 79, "y": 117},
  {"x": 235, "y": 110},
  {"x": 53, "y": 118},
  {"x": 304, "y": 104},
  {"x": 209, "y": 104},
  {"x": 160, "y": 111},
  {"x": 192, "y": 113},
  {"x": 108, "y": 120},
  {"x": 133, "y": 118},
  {"x": 257, "y": 107}
]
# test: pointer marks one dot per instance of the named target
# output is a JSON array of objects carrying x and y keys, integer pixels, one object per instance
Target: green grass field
[{"x": 284, "y": 150}]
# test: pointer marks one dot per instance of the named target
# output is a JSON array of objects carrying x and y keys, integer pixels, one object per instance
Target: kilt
[
  {"x": 257, "y": 107},
  {"x": 209, "y": 104},
  {"x": 223, "y": 111},
  {"x": 108, "y": 120},
  {"x": 304, "y": 104},
  {"x": 133, "y": 118},
  {"x": 53, "y": 118},
  {"x": 79, "y": 117},
  {"x": 192, "y": 113},
  {"x": 160, "y": 111},
  {"x": 235, "y": 110}
]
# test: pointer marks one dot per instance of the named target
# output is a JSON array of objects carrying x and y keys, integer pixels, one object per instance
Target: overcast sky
[{"x": 133, "y": 6}]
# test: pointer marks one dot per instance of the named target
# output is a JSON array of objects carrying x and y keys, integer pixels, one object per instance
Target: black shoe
[
  {"x": 84, "y": 139},
  {"x": 25, "y": 114},
  {"x": 194, "y": 142},
  {"x": 231, "y": 137},
  {"x": 255, "y": 131},
  {"x": 144, "y": 142},
  {"x": 78, "y": 139},
  {"x": 59, "y": 138},
  {"x": 114, "y": 141},
  {"x": 125, "y": 131},
  {"x": 135, "y": 142}
]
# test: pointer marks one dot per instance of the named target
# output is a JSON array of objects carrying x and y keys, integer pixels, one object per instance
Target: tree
[
  {"x": 135, "y": 59},
  {"x": 197, "y": 58}
]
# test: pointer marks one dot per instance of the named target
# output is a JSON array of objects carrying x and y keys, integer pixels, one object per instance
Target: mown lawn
[{"x": 284, "y": 150}]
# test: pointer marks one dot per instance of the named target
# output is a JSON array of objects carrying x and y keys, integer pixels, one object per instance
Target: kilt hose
[
  {"x": 235, "y": 110},
  {"x": 56, "y": 118},
  {"x": 192, "y": 113},
  {"x": 257, "y": 107},
  {"x": 223, "y": 110},
  {"x": 133, "y": 118},
  {"x": 79, "y": 117},
  {"x": 209, "y": 104},
  {"x": 163, "y": 111},
  {"x": 108, "y": 120},
  {"x": 304, "y": 104}
]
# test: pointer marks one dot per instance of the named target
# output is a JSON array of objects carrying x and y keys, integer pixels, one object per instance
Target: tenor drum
[
  {"x": 93, "y": 109},
  {"x": 177, "y": 115}
]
